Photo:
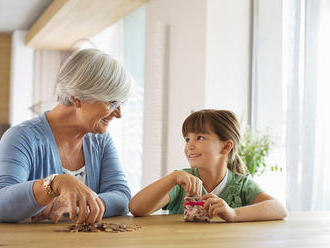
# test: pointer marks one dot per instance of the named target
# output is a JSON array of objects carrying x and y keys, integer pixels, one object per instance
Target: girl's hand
[
  {"x": 75, "y": 195},
  {"x": 191, "y": 184},
  {"x": 215, "y": 206}
]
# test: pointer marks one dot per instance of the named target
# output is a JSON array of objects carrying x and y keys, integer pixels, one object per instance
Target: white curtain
[
  {"x": 46, "y": 65},
  {"x": 21, "y": 79},
  {"x": 306, "y": 57}
]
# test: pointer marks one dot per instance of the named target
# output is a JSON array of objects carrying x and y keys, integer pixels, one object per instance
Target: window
[{"x": 125, "y": 41}]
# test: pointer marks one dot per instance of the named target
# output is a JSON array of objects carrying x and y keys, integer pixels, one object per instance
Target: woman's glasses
[{"x": 113, "y": 105}]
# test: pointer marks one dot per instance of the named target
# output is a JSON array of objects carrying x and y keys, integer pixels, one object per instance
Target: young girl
[{"x": 217, "y": 173}]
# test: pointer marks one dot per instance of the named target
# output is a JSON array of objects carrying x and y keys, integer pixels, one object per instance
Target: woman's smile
[{"x": 105, "y": 121}]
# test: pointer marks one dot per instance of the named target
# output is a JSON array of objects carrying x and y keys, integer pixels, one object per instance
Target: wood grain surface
[{"x": 300, "y": 229}]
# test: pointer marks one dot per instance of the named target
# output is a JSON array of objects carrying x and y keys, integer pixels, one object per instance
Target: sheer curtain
[
  {"x": 125, "y": 41},
  {"x": 46, "y": 65},
  {"x": 306, "y": 57}
]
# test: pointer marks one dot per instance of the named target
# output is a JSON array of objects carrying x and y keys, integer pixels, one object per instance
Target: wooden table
[{"x": 301, "y": 229}]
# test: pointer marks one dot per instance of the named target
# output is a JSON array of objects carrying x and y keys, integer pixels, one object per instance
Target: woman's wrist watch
[{"x": 47, "y": 185}]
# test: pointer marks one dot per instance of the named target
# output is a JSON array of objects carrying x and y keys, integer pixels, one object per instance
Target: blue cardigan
[{"x": 28, "y": 152}]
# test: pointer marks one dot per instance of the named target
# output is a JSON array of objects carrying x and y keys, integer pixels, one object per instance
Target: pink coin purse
[{"x": 194, "y": 210}]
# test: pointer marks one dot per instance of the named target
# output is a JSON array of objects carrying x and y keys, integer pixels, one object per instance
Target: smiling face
[
  {"x": 212, "y": 137},
  {"x": 95, "y": 116},
  {"x": 203, "y": 149}
]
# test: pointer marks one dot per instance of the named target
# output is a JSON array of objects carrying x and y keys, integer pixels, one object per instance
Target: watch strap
[{"x": 47, "y": 185}]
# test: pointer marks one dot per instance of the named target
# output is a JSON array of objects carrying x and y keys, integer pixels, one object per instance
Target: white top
[
  {"x": 79, "y": 174},
  {"x": 218, "y": 189}
]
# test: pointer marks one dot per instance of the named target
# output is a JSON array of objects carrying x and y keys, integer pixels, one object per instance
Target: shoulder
[
  {"x": 247, "y": 185},
  {"x": 240, "y": 190},
  {"x": 238, "y": 178},
  {"x": 238, "y": 184},
  {"x": 99, "y": 139},
  {"x": 98, "y": 144},
  {"x": 28, "y": 131}
]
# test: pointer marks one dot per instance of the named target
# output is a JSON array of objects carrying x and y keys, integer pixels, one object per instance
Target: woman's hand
[
  {"x": 54, "y": 210},
  {"x": 191, "y": 184},
  {"x": 75, "y": 195},
  {"x": 215, "y": 206}
]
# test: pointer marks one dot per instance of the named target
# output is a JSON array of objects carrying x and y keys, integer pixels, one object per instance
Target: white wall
[
  {"x": 186, "y": 72},
  {"x": 228, "y": 55},
  {"x": 179, "y": 79}
]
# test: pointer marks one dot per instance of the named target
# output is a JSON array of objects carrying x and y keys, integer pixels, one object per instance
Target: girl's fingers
[
  {"x": 216, "y": 210},
  {"x": 188, "y": 185},
  {"x": 207, "y": 196},
  {"x": 211, "y": 201},
  {"x": 193, "y": 186},
  {"x": 198, "y": 187}
]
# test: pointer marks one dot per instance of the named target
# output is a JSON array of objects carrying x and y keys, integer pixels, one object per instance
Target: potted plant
[{"x": 254, "y": 150}]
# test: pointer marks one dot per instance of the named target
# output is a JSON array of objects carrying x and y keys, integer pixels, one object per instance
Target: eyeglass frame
[{"x": 113, "y": 105}]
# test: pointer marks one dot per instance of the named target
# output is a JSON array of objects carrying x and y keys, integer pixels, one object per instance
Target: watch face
[
  {"x": 47, "y": 180},
  {"x": 47, "y": 185}
]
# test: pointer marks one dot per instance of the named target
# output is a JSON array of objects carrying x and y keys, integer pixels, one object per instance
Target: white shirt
[
  {"x": 218, "y": 189},
  {"x": 79, "y": 174}
]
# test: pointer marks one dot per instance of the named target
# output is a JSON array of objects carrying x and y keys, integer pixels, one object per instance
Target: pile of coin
[{"x": 103, "y": 227}]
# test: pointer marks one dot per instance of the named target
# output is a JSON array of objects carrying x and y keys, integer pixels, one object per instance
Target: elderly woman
[{"x": 64, "y": 161}]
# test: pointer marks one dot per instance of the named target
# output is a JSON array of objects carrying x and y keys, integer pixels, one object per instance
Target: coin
[{"x": 103, "y": 227}]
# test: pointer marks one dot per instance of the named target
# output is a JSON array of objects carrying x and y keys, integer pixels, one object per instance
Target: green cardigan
[{"x": 239, "y": 191}]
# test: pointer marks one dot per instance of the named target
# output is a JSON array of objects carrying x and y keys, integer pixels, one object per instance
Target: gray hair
[{"x": 91, "y": 75}]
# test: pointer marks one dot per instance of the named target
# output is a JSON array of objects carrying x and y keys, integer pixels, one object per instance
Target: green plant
[{"x": 254, "y": 150}]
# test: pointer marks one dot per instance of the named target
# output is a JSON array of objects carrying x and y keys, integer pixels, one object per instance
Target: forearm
[
  {"x": 151, "y": 197},
  {"x": 265, "y": 210},
  {"x": 17, "y": 202},
  {"x": 116, "y": 203}
]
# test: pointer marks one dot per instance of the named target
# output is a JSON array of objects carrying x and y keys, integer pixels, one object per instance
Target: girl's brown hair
[{"x": 225, "y": 125}]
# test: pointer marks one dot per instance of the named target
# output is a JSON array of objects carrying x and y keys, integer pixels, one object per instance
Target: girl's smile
[
  {"x": 194, "y": 156},
  {"x": 203, "y": 149}
]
